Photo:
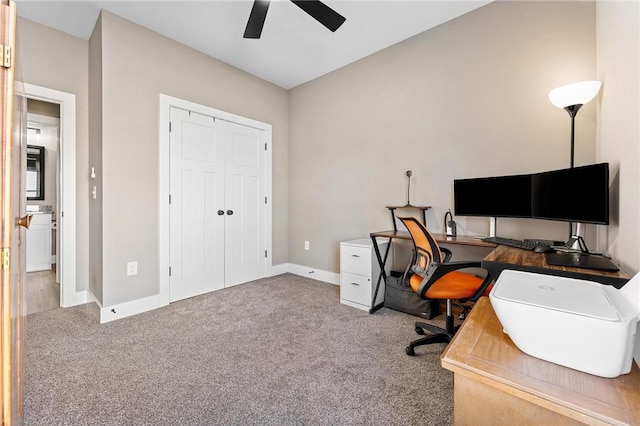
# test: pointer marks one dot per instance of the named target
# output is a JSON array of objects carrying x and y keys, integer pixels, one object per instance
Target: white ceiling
[{"x": 294, "y": 47}]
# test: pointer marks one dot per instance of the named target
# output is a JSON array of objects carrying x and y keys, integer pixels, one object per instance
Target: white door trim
[
  {"x": 166, "y": 102},
  {"x": 69, "y": 296}
]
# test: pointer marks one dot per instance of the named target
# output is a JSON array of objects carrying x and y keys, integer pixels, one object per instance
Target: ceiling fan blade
[
  {"x": 256, "y": 19},
  {"x": 321, "y": 13}
]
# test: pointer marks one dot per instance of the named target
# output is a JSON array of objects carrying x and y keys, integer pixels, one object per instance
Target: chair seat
[{"x": 454, "y": 285}]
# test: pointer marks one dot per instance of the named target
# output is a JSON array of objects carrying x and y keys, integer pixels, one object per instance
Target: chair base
[{"x": 438, "y": 335}]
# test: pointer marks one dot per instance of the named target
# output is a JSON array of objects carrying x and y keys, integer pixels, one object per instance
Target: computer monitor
[
  {"x": 500, "y": 196},
  {"x": 579, "y": 194}
]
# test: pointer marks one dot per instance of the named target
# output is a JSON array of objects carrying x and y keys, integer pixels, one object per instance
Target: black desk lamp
[
  {"x": 408, "y": 174},
  {"x": 571, "y": 97}
]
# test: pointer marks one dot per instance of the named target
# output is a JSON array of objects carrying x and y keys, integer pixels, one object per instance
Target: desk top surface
[
  {"x": 536, "y": 262},
  {"x": 440, "y": 238},
  {"x": 482, "y": 352}
]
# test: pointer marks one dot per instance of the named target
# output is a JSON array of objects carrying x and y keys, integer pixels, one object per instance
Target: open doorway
[
  {"x": 42, "y": 282},
  {"x": 65, "y": 192}
]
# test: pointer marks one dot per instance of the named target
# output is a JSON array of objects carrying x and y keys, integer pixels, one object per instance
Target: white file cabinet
[{"x": 359, "y": 271}]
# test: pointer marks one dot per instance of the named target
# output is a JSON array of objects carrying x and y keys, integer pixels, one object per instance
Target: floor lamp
[{"x": 571, "y": 97}]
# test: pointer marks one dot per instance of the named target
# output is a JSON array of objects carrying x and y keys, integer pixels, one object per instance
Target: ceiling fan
[{"x": 315, "y": 8}]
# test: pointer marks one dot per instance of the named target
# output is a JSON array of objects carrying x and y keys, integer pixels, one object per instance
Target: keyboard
[{"x": 521, "y": 244}]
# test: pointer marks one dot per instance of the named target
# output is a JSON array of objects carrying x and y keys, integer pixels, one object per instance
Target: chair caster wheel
[
  {"x": 420, "y": 331},
  {"x": 409, "y": 350}
]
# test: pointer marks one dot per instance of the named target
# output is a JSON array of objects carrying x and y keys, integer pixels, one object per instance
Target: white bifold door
[{"x": 217, "y": 204}]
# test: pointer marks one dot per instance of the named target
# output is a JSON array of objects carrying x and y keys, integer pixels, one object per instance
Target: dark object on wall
[
  {"x": 35, "y": 172},
  {"x": 402, "y": 298}
]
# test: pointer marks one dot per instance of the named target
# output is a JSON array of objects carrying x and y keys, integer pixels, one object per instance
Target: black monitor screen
[
  {"x": 580, "y": 194},
  {"x": 503, "y": 196}
]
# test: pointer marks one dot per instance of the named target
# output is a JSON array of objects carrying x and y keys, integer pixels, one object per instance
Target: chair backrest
[
  {"x": 422, "y": 238},
  {"x": 421, "y": 274}
]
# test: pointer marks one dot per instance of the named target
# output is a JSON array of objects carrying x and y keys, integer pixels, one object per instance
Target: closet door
[
  {"x": 245, "y": 258},
  {"x": 197, "y": 168}
]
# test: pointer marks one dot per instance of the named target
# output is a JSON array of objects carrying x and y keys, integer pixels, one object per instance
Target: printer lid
[{"x": 569, "y": 295}]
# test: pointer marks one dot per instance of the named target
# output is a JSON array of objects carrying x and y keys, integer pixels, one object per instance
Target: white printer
[{"x": 579, "y": 324}]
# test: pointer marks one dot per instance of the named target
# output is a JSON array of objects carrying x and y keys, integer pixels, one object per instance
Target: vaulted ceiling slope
[{"x": 293, "y": 48}]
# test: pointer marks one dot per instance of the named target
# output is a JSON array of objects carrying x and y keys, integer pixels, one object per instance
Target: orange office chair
[{"x": 433, "y": 276}]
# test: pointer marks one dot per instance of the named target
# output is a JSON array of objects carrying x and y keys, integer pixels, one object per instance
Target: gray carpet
[{"x": 277, "y": 351}]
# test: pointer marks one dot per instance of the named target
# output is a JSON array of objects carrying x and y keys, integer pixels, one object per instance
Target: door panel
[
  {"x": 245, "y": 195},
  {"x": 215, "y": 166},
  {"x": 12, "y": 131},
  {"x": 196, "y": 231}
]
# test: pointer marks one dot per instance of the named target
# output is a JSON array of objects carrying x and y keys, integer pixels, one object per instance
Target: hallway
[{"x": 41, "y": 292}]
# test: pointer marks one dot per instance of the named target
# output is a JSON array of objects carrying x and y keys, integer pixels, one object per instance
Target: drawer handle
[
  {"x": 355, "y": 255},
  {"x": 355, "y": 284}
]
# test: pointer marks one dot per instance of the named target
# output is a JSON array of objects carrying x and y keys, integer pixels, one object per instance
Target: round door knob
[
  {"x": 229, "y": 212},
  {"x": 220, "y": 212},
  {"x": 25, "y": 221}
]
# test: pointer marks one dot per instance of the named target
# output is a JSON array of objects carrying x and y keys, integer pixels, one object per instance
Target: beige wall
[
  {"x": 95, "y": 161},
  {"x": 137, "y": 66},
  {"x": 465, "y": 99},
  {"x": 55, "y": 60},
  {"x": 618, "y": 51}
]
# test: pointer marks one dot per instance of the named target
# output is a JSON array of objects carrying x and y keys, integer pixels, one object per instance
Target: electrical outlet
[
  {"x": 306, "y": 245},
  {"x": 132, "y": 268}
]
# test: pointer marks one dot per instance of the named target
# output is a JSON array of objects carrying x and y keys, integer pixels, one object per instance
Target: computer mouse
[{"x": 541, "y": 248}]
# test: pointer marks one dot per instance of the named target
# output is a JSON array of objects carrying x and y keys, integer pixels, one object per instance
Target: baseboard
[
  {"x": 314, "y": 273},
  {"x": 128, "y": 309},
  {"x": 79, "y": 298},
  {"x": 134, "y": 307},
  {"x": 283, "y": 268}
]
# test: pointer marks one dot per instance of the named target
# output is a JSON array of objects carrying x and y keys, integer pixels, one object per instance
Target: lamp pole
[
  {"x": 573, "y": 110},
  {"x": 408, "y": 174},
  {"x": 571, "y": 97}
]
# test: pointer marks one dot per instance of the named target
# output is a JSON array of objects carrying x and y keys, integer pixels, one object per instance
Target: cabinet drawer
[
  {"x": 355, "y": 288},
  {"x": 355, "y": 260}
]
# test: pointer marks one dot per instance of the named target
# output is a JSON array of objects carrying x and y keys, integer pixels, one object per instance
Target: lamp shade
[{"x": 575, "y": 93}]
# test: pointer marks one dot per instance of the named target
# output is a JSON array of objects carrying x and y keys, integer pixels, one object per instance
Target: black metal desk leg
[
  {"x": 383, "y": 273},
  {"x": 393, "y": 218}
]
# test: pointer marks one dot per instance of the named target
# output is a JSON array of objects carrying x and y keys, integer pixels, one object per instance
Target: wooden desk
[
  {"x": 393, "y": 209},
  {"x": 404, "y": 235},
  {"x": 504, "y": 257},
  {"x": 497, "y": 384},
  {"x": 440, "y": 238}
]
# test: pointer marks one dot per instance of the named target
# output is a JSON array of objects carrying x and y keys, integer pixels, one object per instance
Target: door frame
[
  {"x": 166, "y": 102},
  {"x": 66, "y": 224}
]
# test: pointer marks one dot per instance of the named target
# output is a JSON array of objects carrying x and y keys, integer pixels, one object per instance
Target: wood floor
[{"x": 41, "y": 291}]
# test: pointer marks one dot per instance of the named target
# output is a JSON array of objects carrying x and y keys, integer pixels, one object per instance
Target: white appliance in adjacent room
[{"x": 39, "y": 242}]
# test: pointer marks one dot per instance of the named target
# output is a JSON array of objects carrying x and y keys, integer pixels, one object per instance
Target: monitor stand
[
  {"x": 578, "y": 256},
  {"x": 581, "y": 260},
  {"x": 492, "y": 226},
  {"x": 576, "y": 242}
]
